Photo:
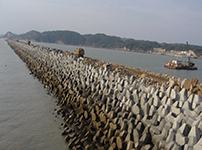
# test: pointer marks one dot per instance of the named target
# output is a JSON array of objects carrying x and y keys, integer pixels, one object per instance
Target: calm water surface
[
  {"x": 27, "y": 117},
  {"x": 151, "y": 62}
]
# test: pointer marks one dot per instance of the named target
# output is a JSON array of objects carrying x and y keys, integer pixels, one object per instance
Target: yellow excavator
[{"x": 79, "y": 51}]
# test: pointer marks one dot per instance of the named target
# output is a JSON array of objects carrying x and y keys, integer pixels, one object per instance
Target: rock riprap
[{"x": 104, "y": 110}]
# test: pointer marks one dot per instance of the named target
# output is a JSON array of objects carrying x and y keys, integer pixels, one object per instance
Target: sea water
[{"x": 28, "y": 120}]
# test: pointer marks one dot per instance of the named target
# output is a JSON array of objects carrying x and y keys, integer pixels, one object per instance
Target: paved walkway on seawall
[{"x": 103, "y": 110}]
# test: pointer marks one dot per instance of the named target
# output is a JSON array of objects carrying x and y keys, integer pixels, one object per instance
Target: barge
[{"x": 177, "y": 64}]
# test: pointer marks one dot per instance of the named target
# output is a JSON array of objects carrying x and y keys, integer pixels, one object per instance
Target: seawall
[{"x": 104, "y": 110}]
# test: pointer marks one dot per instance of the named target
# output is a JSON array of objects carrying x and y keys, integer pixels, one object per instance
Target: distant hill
[
  {"x": 10, "y": 35},
  {"x": 29, "y": 35},
  {"x": 61, "y": 37},
  {"x": 26, "y": 36},
  {"x": 101, "y": 41}
]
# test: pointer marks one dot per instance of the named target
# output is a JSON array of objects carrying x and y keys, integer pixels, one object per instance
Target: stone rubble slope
[{"x": 102, "y": 110}]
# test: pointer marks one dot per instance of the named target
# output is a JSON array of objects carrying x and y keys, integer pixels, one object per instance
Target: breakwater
[{"x": 103, "y": 110}]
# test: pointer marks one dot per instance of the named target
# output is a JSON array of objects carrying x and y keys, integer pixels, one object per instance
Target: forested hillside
[{"x": 101, "y": 41}]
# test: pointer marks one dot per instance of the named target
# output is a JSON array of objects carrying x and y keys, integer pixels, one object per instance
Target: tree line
[{"x": 101, "y": 41}]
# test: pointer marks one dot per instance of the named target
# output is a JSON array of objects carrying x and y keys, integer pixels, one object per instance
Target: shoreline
[{"x": 121, "y": 49}]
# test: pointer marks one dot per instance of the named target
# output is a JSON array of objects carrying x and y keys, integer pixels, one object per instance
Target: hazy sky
[{"x": 170, "y": 21}]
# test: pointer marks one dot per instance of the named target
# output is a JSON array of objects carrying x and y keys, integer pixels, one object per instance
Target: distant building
[
  {"x": 185, "y": 54},
  {"x": 159, "y": 50}
]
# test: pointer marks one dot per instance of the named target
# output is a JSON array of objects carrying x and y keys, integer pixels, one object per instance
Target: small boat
[{"x": 177, "y": 64}]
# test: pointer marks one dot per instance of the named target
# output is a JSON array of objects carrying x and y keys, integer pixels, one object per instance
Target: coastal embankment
[{"x": 110, "y": 106}]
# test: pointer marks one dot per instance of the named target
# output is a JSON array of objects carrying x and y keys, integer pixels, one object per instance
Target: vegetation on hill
[
  {"x": 66, "y": 37},
  {"x": 29, "y": 35},
  {"x": 104, "y": 41},
  {"x": 101, "y": 40}
]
